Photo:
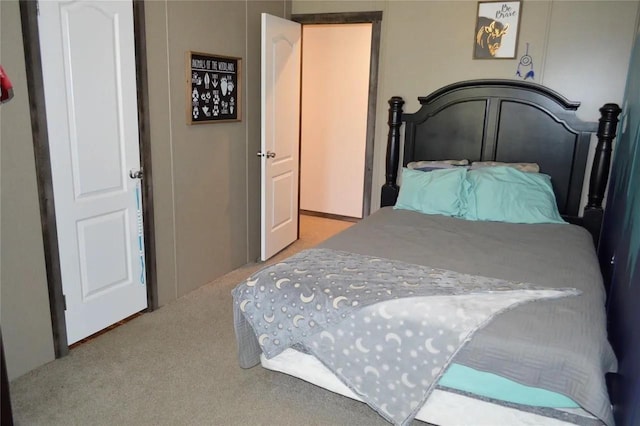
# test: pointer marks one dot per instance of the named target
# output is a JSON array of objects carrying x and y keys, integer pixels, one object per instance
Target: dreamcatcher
[{"x": 526, "y": 62}]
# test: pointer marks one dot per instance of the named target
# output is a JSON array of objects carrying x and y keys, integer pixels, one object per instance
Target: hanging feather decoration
[{"x": 526, "y": 61}]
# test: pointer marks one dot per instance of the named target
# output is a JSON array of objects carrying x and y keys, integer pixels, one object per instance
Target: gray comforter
[
  {"x": 565, "y": 336},
  {"x": 387, "y": 329}
]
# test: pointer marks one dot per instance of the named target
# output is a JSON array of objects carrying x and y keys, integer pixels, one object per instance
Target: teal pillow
[
  {"x": 504, "y": 194},
  {"x": 434, "y": 192}
]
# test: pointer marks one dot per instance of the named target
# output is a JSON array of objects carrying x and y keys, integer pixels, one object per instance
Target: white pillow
[
  {"x": 438, "y": 164},
  {"x": 523, "y": 167}
]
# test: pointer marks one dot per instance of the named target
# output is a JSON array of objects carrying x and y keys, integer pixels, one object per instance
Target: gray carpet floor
[{"x": 177, "y": 366}]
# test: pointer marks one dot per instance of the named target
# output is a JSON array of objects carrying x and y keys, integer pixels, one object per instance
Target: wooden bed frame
[{"x": 509, "y": 121}]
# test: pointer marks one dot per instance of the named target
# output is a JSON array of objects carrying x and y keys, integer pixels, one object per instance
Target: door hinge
[
  {"x": 64, "y": 301},
  {"x": 38, "y": 8}
]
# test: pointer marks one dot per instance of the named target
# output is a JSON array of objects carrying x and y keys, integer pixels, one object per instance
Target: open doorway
[{"x": 339, "y": 91}]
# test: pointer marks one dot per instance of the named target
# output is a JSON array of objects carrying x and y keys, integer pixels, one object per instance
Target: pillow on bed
[
  {"x": 504, "y": 194},
  {"x": 427, "y": 166},
  {"x": 523, "y": 167},
  {"x": 436, "y": 192}
]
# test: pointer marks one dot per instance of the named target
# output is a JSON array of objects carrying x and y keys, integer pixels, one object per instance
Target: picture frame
[
  {"x": 496, "y": 30},
  {"x": 214, "y": 88}
]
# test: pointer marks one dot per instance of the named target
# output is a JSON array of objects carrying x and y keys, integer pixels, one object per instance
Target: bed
[{"x": 455, "y": 318}]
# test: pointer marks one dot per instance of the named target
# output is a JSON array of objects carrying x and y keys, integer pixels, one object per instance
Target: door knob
[
  {"x": 269, "y": 154},
  {"x": 135, "y": 174}
]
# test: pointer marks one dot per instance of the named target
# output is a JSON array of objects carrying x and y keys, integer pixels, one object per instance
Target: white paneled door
[
  {"x": 280, "y": 133},
  {"x": 88, "y": 61}
]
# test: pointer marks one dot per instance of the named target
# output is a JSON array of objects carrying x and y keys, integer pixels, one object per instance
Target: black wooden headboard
[{"x": 509, "y": 121}]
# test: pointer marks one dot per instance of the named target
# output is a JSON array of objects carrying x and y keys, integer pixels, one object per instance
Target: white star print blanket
[{"x": 387, "y": 329}]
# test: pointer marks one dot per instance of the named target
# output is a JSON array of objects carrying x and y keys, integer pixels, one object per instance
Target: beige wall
[
  {"x": 206, "y": 177},
  {"x": 203, "y": 175},
  {"x": 335, "y": 94},
  {"x": 580, "y": 49},
  {"x": 24, "y": 299}
]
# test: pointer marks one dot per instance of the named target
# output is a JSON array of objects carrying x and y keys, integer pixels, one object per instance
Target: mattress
[
  {"x": 574, "y": 353},
  {"x": 443, "y": 407}
]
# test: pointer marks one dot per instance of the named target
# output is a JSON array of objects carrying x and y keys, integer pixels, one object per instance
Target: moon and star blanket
[{"x": 386, "y": 328}]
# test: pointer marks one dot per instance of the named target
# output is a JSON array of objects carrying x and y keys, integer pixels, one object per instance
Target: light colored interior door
[
  {"x": 280, "y": 133},
  {"x": 88, "y": 61}
]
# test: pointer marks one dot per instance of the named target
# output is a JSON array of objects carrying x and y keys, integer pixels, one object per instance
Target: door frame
[
  {"x": 375, "y": 19},
  {"x": 35, "y": 86}
]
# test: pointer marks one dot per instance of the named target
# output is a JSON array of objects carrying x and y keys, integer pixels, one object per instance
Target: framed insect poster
[
  {"x": 496, "y": 32},
  {"x": 213, "y": 88}
]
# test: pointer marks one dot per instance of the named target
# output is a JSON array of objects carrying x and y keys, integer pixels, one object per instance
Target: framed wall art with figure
[{"x": 496, "y": 31}]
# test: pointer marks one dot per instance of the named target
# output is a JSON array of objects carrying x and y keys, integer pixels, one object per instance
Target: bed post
[
  {"x": 390, "y": 188},
  {"x": 593, "y": 212}
]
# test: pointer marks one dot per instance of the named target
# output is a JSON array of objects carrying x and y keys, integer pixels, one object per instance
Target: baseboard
[{"x": 330, "y": 216}]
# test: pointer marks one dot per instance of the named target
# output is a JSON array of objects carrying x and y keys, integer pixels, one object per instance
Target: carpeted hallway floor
[{"x": 177, "y": 366}]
